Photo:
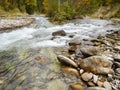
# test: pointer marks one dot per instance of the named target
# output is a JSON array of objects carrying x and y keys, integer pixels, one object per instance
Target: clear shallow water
[{"x": 18, "y": 49}]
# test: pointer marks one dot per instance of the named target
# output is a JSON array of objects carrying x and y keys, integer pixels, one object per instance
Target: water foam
[{"x": 42, "y": 36}]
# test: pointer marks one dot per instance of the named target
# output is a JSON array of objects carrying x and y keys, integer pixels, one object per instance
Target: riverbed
[{"x": 20, "y": 50}]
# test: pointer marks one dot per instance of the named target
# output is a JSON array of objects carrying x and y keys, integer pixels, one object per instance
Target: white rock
[
  {"x": 95, "y": 78},
  {"x": 81, "y": 71}
]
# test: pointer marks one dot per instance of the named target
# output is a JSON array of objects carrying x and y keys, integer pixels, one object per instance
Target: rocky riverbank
[
  {"x": 12, "y": 23},
  {"x": 96, "y": 62}
]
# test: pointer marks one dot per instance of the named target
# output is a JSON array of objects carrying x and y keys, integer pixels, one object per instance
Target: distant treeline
[{"x": 57, "y": 9}]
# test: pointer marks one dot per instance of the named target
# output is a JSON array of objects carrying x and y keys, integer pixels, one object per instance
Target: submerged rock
[
  {"x": 96, "y": 65},
  {"x": 59, "y": 33},
  {"x": 40, "y": 59},
  {"x": 66, "y": 60}
]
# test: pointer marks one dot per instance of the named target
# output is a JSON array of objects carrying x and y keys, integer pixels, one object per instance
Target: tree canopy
[{"x": 57, "y": 9}]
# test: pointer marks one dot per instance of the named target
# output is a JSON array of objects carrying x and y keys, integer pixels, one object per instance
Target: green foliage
[
  {"x": 31, "y": 6},
  {"x": 118, "y": 13},
  {"x": 58, "y": 10},
  {"x": 30, "y": 9}
]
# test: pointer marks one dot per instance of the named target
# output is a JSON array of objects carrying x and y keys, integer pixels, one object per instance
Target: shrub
[{"x": 30, "y": 8}]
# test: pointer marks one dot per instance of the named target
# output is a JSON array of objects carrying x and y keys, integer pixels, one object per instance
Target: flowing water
[{"x": 20, "y": 68}]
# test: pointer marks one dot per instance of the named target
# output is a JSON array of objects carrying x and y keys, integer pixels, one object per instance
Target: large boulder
[
  {"x": 89, "y": 51},
  {"x": 59, "y": 33},
  {"x": 96, "y": 65}
]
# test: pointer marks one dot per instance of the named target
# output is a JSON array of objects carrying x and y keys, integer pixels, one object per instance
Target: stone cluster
[{"x": 96, "y": 62}]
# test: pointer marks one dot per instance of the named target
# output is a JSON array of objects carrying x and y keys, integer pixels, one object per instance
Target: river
[{"x": 19, "y": 48}]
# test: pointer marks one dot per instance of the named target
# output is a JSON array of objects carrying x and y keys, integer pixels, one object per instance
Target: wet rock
[
  {"x": 87, "y": 76},
  {"x": 72, "y": 49},
  {"x": 95, "y": 78},
  {"x": 71, "y": 36},
  {"x": 74, "y": 42},
  {"x": 59, "y": 33},
  {"x": 70, "y": 71},
  {"x": 99, "y": 83},
  {"x": 76, "y": 86},
  {"x": 107, "y": 85},
  {"x": 89, "y": 51},
  {"x": 96, "y": 88},
  {"x": 96, "y": 65},
  {"x": 65, "y": 60}
]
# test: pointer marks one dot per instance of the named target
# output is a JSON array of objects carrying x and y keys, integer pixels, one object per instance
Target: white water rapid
[{"x": 40, "y": 33}]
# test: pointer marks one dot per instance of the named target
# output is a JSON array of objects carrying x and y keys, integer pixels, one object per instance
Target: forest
[{"x": 58, "y": 10}]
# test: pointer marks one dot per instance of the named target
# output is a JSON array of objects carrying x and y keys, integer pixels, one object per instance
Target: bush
[
  {"x": 30, "y": 9},
  {"x": 22, "y": 8},
  {"x": 66, "y": 13}
]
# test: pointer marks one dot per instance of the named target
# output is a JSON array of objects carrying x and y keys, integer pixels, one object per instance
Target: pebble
[
  {"x": 81, "y": 71},
  {"x": 87, "y": 76},
  {"x": 107, "y": 85},
  {"x": 91, "y": 83},
  {"x": 95, "y": 78},
  {"x": 99, "y": 83}
]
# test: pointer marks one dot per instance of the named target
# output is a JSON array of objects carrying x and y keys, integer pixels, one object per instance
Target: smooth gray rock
[{"x": 66, "y": 60}]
